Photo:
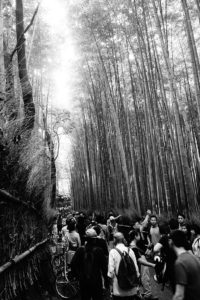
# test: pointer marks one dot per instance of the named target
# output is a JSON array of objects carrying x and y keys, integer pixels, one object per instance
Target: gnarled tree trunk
[{"x": 29, "y": 107}]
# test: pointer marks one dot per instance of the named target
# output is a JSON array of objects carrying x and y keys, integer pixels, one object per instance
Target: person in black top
[
  {"x": 134, "y": 238},
  {"x": 89, "y": 264},
  {"x": 101, "y": 243},
  {"x": 81, "y": 226},
  {"x": 167, "y": 254}
]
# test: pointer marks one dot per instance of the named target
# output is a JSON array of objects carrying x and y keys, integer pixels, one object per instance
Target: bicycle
[{"x": 66, "y": 287}]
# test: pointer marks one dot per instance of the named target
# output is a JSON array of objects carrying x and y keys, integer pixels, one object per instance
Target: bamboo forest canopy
[
  {"x": 103, "y": 95},
  {"x": 137, "y": 142}
]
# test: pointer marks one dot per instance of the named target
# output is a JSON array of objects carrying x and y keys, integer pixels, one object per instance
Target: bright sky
[{"x": 54, "y": 13}]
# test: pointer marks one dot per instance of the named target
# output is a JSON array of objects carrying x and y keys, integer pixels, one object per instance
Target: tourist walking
[
  {"x": 115, "y": 257},
  {"x": 89, "y": 265}
]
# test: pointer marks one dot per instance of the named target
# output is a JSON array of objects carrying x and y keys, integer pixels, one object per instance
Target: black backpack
[{"x": 127, "y": 275}]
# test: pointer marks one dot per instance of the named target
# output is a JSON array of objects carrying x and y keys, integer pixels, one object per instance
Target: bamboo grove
[{"x": 137, "y": 143}]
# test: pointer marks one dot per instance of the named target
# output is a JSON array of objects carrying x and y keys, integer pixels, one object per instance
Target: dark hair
[
  {"x": 173, "y": 224},
  {"x": 181, "y": 215},
  {"x": 164, "y": 228},
  {"x": 97, "y": 228},
  {"x": 179, "y": 238},
  {"x": 196, "y": 228},
  {"x": 71, "y": 226},
  {"x": 133, "y": 233},
  {"x": 111, "y": 213},
  {"x": 137, "y": 219},
  {"x": 100, "y": 219},
  {"x": 185, "y": 225},
  {"x": 153, "y": 216}
]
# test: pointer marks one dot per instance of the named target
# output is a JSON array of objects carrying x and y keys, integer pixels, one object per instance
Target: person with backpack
[
  {"x": 89, "y": 266},
  {"x": 123, "y": 270}
]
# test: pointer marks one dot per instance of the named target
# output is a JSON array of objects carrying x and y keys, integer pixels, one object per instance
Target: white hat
[{"x": 91, "y": 233}]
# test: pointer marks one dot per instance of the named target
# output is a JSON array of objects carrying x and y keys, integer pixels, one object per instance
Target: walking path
[{"x": 156, "y": 288}]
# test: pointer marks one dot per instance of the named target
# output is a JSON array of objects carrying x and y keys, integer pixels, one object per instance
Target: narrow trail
[{"x": 156, "y": 288}]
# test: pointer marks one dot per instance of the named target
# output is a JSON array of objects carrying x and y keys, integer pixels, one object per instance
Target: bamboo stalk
[
  {"x": 8, "y": 197},
  {"x": 20, "y": 257}
]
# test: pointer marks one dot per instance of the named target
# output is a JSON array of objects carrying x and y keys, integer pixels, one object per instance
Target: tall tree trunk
[
  {"x": 198, "y": 9},
  {"x": 2, "y": 77},
  {"x": 50, "y": 144},
  {"x": 29, "y": 107},
  {"x": 193, "y": 53},
  {"x": 185, "y": 167}
]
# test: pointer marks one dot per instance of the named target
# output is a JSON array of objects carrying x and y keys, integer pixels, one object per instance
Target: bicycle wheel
[{"x": 66, "y": 289}]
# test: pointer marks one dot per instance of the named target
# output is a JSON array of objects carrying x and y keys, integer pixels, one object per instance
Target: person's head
[
  {"x": 178, "y": 240},
  {"x": 184, "y": 228},
  {"x": 100, "y": 219},
  {"x": 90, "y": 234},
  {"x": 134, "y": 235},
  {"x": 71, "y": 225},
  {"x": 153, "y": 220},
  {"x": 181, "y": 218},
  {"x": 118, "y": 238},
  {"x": 136, "y": 223},
  {"x": 195, "y": 229},
  {"x": 164, "y": 228},
  {"x": 90, "y": 238},
  {"x": 81, "y": 214},
  {"x": 173, "y": 224},
  {"x": 111, "y": 213},
  {"x": 97, "y": 228},
  {"x": 76, "y": 215},
  {"x": 112, "y": 220}
]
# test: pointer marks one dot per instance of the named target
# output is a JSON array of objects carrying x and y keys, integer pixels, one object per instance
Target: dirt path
[{"x": 156, "y": 288}]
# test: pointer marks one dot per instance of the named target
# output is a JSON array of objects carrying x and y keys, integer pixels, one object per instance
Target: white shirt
[{"x": 113, "y": 266}]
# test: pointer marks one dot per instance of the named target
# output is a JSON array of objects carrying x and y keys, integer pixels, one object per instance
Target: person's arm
[
  {"x": 78, "y": 240},
  {"x": 146, "y": 220},
  {"x": 157, "y": 247},
  {"x": 111, "y": 264},
  {"x": 146, "y": 263},
  {"x": 179, "y": 292},
  {"x": 104, "y": 268}
]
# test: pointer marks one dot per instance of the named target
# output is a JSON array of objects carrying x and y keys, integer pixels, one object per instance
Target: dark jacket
[{"x": 93, "y": 256}]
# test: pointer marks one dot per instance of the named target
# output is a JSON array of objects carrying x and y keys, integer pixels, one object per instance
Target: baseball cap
[{"x": 90, "y": 233}]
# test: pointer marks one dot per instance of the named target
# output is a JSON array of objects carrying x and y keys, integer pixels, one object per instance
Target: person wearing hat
[{"x": 89, "y": 265}]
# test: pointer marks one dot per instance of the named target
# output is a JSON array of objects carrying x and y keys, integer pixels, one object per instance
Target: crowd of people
[{"x": 100, "y": 250}]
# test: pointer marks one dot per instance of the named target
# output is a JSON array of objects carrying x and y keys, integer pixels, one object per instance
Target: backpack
[{"x": 127, "y": 275}]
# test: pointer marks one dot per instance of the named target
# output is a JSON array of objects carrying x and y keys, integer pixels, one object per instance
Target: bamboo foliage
[{"x": 140, "y": 96}]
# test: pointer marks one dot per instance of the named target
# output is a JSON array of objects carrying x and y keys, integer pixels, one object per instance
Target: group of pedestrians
[{"x": 99, "y": 253}]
